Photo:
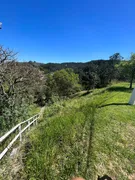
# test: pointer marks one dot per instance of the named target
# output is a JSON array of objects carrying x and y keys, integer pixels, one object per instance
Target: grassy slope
[{"x": 89, "y": 135}]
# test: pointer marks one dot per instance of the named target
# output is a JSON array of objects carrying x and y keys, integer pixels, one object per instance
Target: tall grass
[
  {"x": 58, "y": 150},
  {"x": 87, "y": 136}
]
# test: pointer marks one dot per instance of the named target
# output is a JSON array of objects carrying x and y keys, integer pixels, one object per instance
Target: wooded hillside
[{"x": 23, "y": 84}]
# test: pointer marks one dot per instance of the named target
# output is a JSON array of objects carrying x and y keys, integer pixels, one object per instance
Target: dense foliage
[
  {"x": 22, "y": 84},
  {"x": 127, "y": 70},
  {"x": 18, "y": 84},
  {"x": 62, "y": 83},
  {"x": 96, "y": 73}
]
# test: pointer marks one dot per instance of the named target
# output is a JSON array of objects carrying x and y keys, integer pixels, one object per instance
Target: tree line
[{"x": 96, "y": 73}]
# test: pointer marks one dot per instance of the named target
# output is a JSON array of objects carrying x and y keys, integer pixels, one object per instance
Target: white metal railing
[{"x": 29, "y": 122}]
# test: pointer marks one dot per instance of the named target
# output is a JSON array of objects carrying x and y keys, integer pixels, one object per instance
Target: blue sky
[{"x": 68, "y": 30}]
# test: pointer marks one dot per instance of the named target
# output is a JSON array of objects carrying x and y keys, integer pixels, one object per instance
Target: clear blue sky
[{"x": 68, "y": 30}]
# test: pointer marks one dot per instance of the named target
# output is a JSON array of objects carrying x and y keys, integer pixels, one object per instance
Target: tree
[
  {"x": 63, "y": 83},
  {"x": 127, "y": 69},
  {"x": 105, "y": 73},
  {"x": 50, "y": 88},
  {"x": 116, "y": 57},
  {"x": 89, "y": 77},
  {"x": 131, "y": 68},
  {"x": 18, "y": 84},
  {"x": 6, "y": 55},
  {"x": 97, "y": 74},
  {"x": 123, "y": 71}
]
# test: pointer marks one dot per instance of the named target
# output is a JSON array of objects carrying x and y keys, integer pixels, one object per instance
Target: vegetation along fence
[{"x": 21, "y": 128}]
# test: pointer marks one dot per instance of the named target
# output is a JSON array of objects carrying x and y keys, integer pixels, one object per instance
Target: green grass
[
  {"x": 92, "y": 134},
  {"x": 33, "y": 109}
]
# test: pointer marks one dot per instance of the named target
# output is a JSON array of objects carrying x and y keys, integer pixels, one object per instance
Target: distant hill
[
  {"x": 92, "y": 74},
  {"x": 51, "y": 67}
]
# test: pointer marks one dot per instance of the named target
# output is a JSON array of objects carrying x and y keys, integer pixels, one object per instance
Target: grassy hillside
[{"x": 92, "y": 134}]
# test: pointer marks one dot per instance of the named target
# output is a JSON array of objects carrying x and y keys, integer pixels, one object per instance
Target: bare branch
[{"x": 7, "y": 55}]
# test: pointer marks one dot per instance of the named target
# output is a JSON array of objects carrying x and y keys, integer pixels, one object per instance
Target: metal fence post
[
  {"x": 28, "y": 124},
  {"x": 34, "y": 123},
  {"x": 20, "y": 132}
]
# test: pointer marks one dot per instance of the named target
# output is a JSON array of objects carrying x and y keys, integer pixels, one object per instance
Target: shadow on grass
[
  {"x": 86, "y": 93},
  {"x": 80, "y": 95},
  {"x": 91, "y": 91},
  {"x": 119, "y": 88},
  {"x": 114, "y": 104},
  {"x": 88, "y": 172},
  {"x": 89, "y": 169}
]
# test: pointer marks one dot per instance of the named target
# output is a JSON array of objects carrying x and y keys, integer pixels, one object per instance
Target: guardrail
[{"x": 29, "y": 122}]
